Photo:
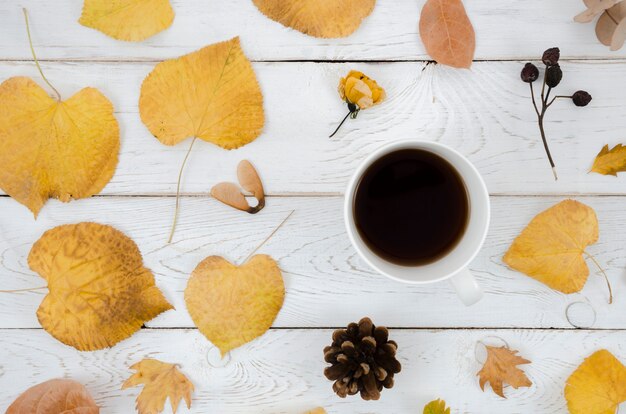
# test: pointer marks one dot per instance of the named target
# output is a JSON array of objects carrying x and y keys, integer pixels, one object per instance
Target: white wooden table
[{"x": 485, "y": 113}]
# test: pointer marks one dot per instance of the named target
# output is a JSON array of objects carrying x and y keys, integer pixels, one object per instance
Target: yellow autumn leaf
[
  {"x": 359, "y": 89},
  {"x": 326, "y": 19},
  {"x": 501, "y": 367},
  {"x": 130, "y": 20},
  {"x": 436, "y": 407},
  {"x": 232, "y": 305},
  {"x": 211, "y": 94},
  {"x": 55, "y": 149},
  {"x": 598, "y": 386},
  {"x": 610, "y": 162},
  {"x": 100, "y": 293},
  {"x": 551, "y": 248},
  {"x": 160, "y": 380}
]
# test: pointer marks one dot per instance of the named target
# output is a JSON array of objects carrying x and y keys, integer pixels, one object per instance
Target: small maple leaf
[
  {"x": 501, "y": 367},
  {"x": 610, "y": 162},
  {"x": 160, "y": 380}
]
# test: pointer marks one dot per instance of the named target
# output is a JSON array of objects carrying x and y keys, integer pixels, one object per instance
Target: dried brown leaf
[
  {"x": 54, "y": 397},
  {"x": 447, "y": 33},
  {"x": 501, "y": 367}
]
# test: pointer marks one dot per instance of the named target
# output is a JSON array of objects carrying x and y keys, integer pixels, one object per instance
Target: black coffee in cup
[{"x": 411, "y": 207}]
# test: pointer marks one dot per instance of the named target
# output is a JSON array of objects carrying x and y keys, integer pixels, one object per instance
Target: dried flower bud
[
  {"x": 554, "y": 74},
  {"x": 551, "y": 56},
  {"x": 530, "y": 73},
  {"x": 581, "y": 98}
]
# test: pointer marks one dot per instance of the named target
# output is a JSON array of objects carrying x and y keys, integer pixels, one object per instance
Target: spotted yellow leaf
[
  {"x": 598, "y": 386},
  {"x": 130, "y": 20},
  {"x": 160, "y": 381},
  {"x": 211, "y": 94},
  {"x": 327, "y": 19},
  {"x": 100, "y": 292},
  {"x": 551, "y": 248},
  {"x": 232, "y": 305},
  {"x": 610, "y": 161},
  {"x": 55, "y": 149}
]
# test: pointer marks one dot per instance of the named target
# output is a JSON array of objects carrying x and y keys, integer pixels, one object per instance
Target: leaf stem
[
  {"x": 32, "y": 51},
  {"x": 268, "y": 237},
  {"x": 593, "y": 259},
  {"x": 24, "y": 290},
  {"x": 180, "y": 176}
]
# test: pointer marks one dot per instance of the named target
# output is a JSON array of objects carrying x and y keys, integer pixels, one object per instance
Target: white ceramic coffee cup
[{"x": 452, "y": 266}]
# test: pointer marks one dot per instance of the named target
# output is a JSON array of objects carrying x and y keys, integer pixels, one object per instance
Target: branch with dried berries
[{"x": 551, "y": 78}]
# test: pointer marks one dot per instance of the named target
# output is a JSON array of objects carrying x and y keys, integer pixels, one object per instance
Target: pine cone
[{"x": 363, "y": 360}]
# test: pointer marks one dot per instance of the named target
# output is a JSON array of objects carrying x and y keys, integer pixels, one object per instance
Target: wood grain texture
[
  {"x": 510, "y": 30},
  {"x": 485, "y": 113},
  {"x": 327, "y": 283},
  {"x": 281, "y": 372}
]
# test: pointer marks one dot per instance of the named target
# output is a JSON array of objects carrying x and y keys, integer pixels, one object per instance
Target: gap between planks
[{"x": 399, "y": 328}]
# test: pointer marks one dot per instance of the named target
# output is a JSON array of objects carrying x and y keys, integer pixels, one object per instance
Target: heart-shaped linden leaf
[
  {"x": 232, "y": 305},
  {"x": 55, "y": 149},
  {"x": 130, "y": 20},
  {"x": 100, "y": 292}
]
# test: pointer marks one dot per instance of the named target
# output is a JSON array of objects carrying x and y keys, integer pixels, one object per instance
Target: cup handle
[{"x": 466, "y": 287}]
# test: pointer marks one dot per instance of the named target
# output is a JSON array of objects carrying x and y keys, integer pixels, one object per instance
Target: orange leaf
[
  {"x": 54, "y": 397},
  {"x": 501, "y": 367},
  {"x": 447, "y": 33}
]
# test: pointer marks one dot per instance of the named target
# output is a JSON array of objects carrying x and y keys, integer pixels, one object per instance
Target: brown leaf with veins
[
  {"x": 56, "y": 396},
  {"x": 501, "y": 367},
  {"x": 447, "y": 33},
  {"x": 100, "y": 292},
  {"x": 161, "y": 381}
]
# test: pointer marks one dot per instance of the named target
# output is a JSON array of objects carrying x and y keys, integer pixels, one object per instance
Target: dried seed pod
[
  {"x": 581, "y": 98},
  {"x": 230, "y": 194},
  {"x": 554, "y": 74},
  {"x": 530, "y": 73},
  {"x": 551, "y": 56}
]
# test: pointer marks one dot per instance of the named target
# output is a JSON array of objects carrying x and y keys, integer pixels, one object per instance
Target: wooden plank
[
  {"x": 486, "y": 114},
  {"x": 281, "y": 373},
  {"x": 515, "y": 30},
  {"x": 326, "y": 281}
]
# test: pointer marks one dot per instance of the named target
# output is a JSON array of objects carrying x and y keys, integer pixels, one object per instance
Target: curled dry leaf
[
  {"x": 232, "y": 305},
  {"x": 54, "y": 397},
  {"x": 594, "y": 8},
  {"x": 211, "y": 94},
  {"x": 230, "y": 194},
  {"x": 327, "y": 19},
  {"x": 32, "y": 124},
  {"x": 610, "y": 162},
  {"x": 501, "y": 367},
  {"x": 130, "y": 20},
  {"x": 551, "y": 248},
  {"x": 447, "y": 33},
  {"x": 598, "y": 386},
  {"x": 160, "y": 380},
  {"x": 361, "y": 90},
  {"x": 100, "y": 293}
]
